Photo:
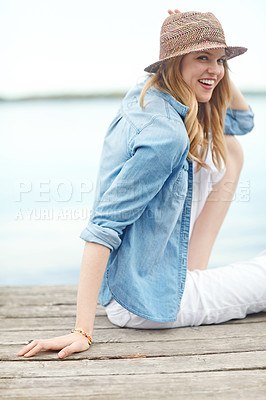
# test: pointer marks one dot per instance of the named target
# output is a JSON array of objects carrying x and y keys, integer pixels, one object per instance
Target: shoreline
[
  {"x": 87, "y": 96},
  {"x": 91, "y": 96}
]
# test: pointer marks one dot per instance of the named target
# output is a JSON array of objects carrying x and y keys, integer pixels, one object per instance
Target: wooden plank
[
  {"x": 126, "y": 363},
  {"x": 251, "y": 318},
  {"x": 41, "y": 324},
  {"x": 139, "y": 335},
  {"x": 149, "y": 349},
  {"x": 215, "y": 385},
  {"x": 25, "y": 290},
  {"x": 31, "y": 301},
  {"x": 42, "y": 311},
  {"x": 101, "y": 322},
  {"x": 53, "y": 311},
  {"x": 137, "y": 366},
  {"x": 57, "y": 298}
]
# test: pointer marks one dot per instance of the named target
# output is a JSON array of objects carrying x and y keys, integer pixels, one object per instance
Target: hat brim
[{"x": 230, "y": 52}]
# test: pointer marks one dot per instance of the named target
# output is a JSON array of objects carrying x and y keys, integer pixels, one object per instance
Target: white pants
[{"x": 210, "y": 296}]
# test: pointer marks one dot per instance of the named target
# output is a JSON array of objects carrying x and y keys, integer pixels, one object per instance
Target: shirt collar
[{"x": 179, "y": 107}]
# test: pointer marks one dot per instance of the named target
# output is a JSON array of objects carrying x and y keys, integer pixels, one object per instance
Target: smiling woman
[
  {"x": 168, "y": 172},
  {"x": 203, "y": 71}
]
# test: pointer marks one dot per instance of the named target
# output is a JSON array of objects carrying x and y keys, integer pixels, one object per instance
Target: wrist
[
  {"x": 84, "y": 333},
  {"x": 84, "y": 327}
]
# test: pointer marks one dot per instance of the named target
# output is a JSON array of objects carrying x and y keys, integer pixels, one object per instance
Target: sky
[{"x": 84, "y": 46}]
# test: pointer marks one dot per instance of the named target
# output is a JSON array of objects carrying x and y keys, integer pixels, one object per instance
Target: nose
[{"x": 214, "y": 68}]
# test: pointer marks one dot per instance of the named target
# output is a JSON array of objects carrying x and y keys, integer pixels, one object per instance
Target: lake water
[{"x": 49, "y": 160}]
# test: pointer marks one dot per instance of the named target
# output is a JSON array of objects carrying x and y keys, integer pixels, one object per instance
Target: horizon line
[{"x": 87, "y": 96}]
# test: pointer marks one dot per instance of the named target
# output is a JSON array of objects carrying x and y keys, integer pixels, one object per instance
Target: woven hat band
[{"x": 203, "y": 38}]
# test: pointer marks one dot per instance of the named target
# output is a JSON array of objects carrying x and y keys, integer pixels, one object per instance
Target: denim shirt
[{"x": 142, "y": 206}]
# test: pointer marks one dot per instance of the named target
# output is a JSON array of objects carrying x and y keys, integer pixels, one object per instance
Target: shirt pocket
[{"x": 180, "y": 182}]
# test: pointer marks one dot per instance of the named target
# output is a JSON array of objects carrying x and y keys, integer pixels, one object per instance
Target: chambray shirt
[{"x": 142, "y": 205}]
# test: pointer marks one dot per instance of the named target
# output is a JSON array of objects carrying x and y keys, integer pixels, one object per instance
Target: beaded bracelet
[{"x": 82, "y": 332}]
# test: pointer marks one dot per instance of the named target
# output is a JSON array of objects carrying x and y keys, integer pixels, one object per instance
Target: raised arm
[
  {"x": 209, "y": 221},
  {"x": 238, "y": 101},
  {"x": 93, "y": 265}
]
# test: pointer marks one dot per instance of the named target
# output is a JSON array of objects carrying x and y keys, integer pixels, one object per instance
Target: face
[{"x": 202, "y": 71}]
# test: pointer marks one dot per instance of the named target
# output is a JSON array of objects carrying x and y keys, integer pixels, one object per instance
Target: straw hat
[{"x": 183, "y": 33}]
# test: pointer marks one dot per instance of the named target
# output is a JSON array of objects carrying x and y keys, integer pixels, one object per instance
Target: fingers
[
  {"x": 66, "y": 344},
  {"x": 176, "y": 11},
  {"x": 31, "y": 349},
  {"x": 50, "y": 344},
  {"x": 75, "y": 347},
  {"x": 25, "y": 349}
]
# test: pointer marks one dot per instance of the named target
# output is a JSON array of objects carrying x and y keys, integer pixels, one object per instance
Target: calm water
[{"x": 49, "y": 160}]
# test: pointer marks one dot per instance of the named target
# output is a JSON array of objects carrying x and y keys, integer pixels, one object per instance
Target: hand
[
  {"x": 176, "y": 11},
  {"x": 68, "y": 344}
]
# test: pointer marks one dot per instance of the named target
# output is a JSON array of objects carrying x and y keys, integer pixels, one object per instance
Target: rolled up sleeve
[
  {"x": 238, "y": 122},
  {"x": 101, "y": 235},
  {"x": 154, "y": 152}
]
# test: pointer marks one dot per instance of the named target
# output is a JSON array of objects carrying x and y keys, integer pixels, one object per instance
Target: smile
[{"x": 207, "y": 83}]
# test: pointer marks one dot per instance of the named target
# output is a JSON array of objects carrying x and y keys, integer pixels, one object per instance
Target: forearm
[
  {"x": 238, "y": 101},
  {"x": 93, "y": 266},
  {"x": 209, "y": 221}
]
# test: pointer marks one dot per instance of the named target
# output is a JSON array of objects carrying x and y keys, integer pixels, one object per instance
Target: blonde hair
[{"x": 201, "y": 118}]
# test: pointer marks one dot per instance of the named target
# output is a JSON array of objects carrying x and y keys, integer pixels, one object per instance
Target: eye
[
  {"x": 221, "y": 61},
  {"x": 204, "y": 58}
]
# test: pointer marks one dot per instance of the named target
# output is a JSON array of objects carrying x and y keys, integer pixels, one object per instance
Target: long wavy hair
[{"x": 201, "y": 118}]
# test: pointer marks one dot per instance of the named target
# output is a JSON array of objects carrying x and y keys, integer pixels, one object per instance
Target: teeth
[{"x": 207, "y": 81}]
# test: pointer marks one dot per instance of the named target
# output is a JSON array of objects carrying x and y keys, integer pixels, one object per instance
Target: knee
[{"x": 235, "y": 155}]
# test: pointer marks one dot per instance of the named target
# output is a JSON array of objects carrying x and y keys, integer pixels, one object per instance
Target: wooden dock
[{"x": 226, "y": 361}]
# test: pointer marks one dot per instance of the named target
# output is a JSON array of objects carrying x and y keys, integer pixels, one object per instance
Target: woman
[{"x": 150, "y": 235}]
